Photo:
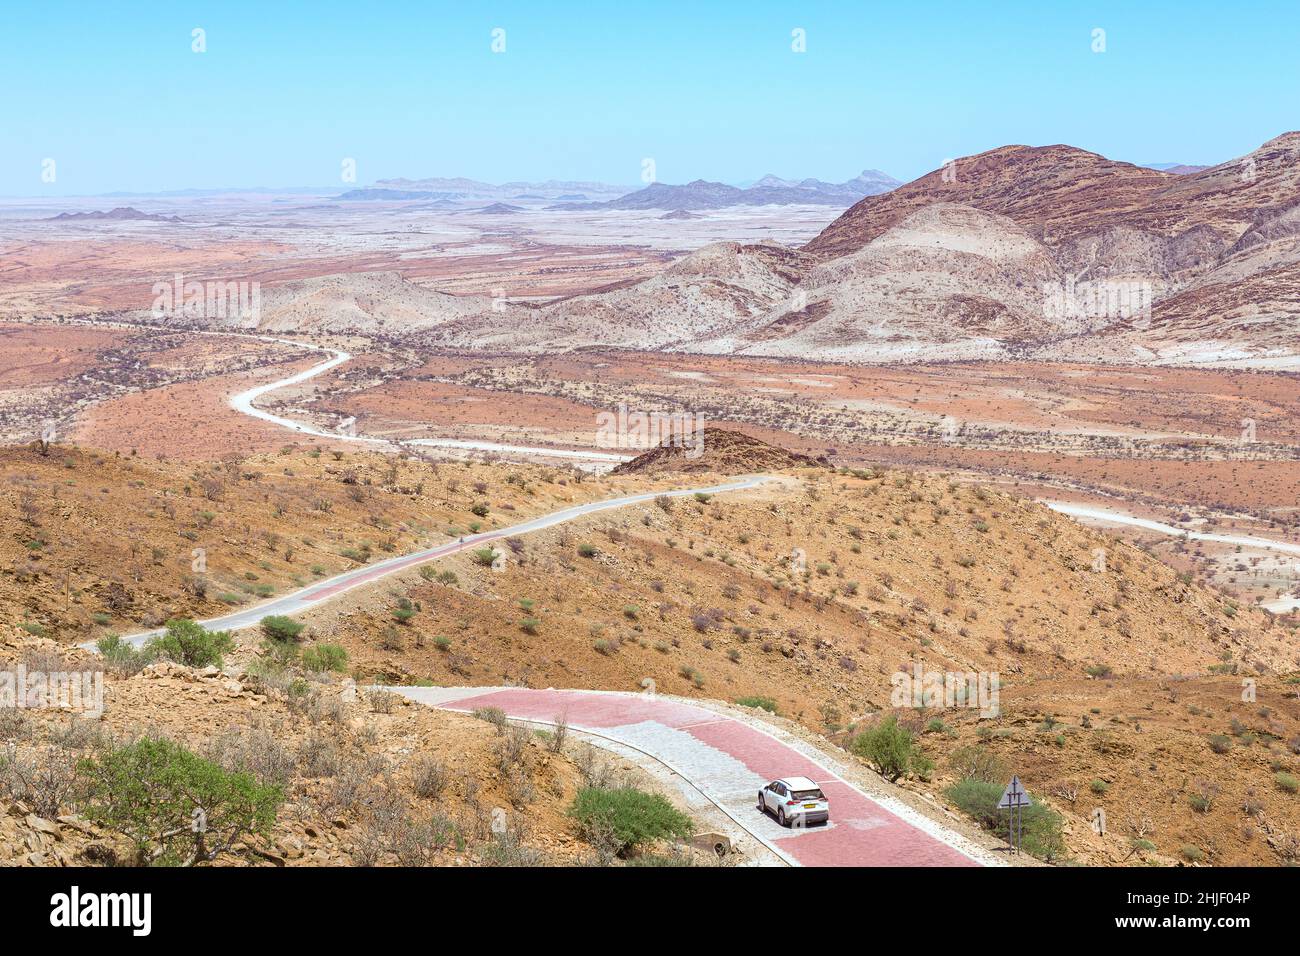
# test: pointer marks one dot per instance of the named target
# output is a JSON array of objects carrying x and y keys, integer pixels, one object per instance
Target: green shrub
[
  {"x": 765, "y": 703},
  {"x": 480, "y": 508},
  {"x": 484, "y": 556},
  {"x": 1220, "y": 744},
  {"x": 278, "y": 627},
  {"x": 892, "y": 750},
  {"x": 122, "y": 656},
  {"x": 1099, "y": 787},
  {"x": 189, "y": 643},
  {"x": 493, "y": 715},
  {"x": 530, "y": 625},
  {"x": 1286, "y": 782},
  {"x": 625, "y": 818},
  {"x": 587, "y": 550},
  {"x": 442, "y": 643},
  {"x": 325, "y": 657},
  {"x": 978, "y": 763},
  {"x": 1192, "y": 854},
  {"x": 154, "y": 791},
  {"x": 1042, "y": 829}
]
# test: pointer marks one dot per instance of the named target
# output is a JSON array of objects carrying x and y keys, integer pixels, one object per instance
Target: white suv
[{"x": 795, "y": 801}]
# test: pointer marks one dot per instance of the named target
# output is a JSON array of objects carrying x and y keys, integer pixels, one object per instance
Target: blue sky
[{"x": 114, "y": 94}]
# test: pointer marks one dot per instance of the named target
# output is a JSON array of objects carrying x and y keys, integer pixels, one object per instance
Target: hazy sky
[{"x": 115, "y": 95}]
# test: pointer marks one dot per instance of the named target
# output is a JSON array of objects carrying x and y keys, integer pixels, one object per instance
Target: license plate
[{"x": 810, "y": 806}]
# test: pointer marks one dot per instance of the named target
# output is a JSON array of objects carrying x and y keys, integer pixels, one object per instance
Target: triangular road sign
[{"x": 1014, "y": 796}]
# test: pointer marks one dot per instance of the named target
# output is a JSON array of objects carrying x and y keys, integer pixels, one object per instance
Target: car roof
[{"x": 799, "y": 783}]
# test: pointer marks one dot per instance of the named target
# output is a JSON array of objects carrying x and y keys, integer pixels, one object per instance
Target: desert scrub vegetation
[
  {"x": 892, "y": 750},
  {"x": 154, "y": 790},
  {"x": 1042, "y": 834},
  {"x": 622, "y": 819},
  {"x": 763, "y": 703},
  {"x": 325, "y": 657},
  {"x": 189, "y": 643},
  {"x": 122, "y": 657},
  {"x": 278, "y": 627}
]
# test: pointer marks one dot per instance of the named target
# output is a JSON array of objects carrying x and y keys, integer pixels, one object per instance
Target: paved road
[
  {"x": 729, "y": 760},
  {"x": 1280, "y": 605},
  {"x": 244, "y": 402},
  {"x": 314, "y": 594}
]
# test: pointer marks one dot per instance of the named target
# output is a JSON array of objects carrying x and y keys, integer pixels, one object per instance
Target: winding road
[
  {"x": 245, "y": 402},
  {"x": 1280, "y": 605},
  {"x": 314, "y": 594}
]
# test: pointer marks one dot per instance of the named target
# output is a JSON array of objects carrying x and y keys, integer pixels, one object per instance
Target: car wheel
[
  {"x": 762, "y": 804},
  {"x": 780, "y": 816}
]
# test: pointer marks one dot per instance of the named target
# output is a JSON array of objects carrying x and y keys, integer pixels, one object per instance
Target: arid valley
[{"x": 557, "y": 486}]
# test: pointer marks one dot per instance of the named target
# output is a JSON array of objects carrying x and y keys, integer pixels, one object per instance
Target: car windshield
[{"x": 808, "y": 795}]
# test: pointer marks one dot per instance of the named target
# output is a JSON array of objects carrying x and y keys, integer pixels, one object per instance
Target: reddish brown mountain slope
[
  {"x": 1050, "y": 190},
  {"x": 1061, "y": 193}
]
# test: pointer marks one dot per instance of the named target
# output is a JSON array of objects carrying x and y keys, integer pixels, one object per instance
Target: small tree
[
  {"x": 188, "y": 643},
  {"x": 177, "y": 808},
  {"x": 279, "y": 627},
  {"x": 325, "y": 657},
  {"x": 890, "y": 749},
  {"x": 626, "y": 817}
]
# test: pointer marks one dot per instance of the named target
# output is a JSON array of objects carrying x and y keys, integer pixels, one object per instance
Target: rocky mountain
[
  {"x": 720, "y": 451},
  {"x": 366, "y": 303},
  {"x": 704, "y": 294},
  {"x": 1216, "y": 250},
  {"x": 948, "y": 281}
]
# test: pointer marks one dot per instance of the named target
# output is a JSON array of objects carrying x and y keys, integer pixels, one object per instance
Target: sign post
[{"x": 1015, "y": 798}]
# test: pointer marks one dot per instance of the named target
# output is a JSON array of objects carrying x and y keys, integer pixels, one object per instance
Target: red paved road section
[{"x": 864, "y": 833}]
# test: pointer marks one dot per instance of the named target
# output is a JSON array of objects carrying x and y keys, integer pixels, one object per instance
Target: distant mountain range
[
  {"x": 770, "y": 190},
  {"x": 1178, "y": 169},
  {"x": 1048, "y": 253},
  {"x": 701, "y": 194},
  {"x": 472, "y": 190},
  {"x": 120, "y": 214}
]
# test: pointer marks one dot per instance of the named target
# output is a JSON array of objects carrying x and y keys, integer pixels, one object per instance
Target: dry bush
[
  {"x": 428, "y": 778},
  {"x": 45, "y": 779}
]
